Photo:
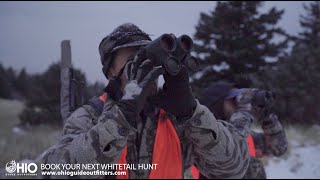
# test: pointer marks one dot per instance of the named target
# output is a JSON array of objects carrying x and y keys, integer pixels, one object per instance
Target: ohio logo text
[{"x": 21, "y": 169}]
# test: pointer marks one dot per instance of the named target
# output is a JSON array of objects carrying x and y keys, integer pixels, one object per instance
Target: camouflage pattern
[
  {"x": 272, "y": 141},
  {"x": 255, "y": 170},
  {"x": 244, "y": 99},
  {"x": 125, "y": 35},
  {"x": 243, "y": 117},
  {"x": 216, "y": 148}
]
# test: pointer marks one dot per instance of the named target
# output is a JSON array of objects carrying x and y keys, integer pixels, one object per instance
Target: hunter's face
[
  {"x": 229, "y": 107},
  {"x": 120, "y": 60}
]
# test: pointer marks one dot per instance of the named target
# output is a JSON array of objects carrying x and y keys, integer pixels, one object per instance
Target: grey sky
[{"x": 31, "y": 32}]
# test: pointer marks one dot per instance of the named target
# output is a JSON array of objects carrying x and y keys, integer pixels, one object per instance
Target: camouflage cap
[{"x": 125, "y": 35}]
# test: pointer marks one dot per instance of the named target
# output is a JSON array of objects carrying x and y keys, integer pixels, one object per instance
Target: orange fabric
[
  {"x": 103, "y": 97},
  {"x": 251, "y": 147},
  {"x": 195, "y": 172},
  {"x": 123, "y": 160},
  {"x": 166, "y": 151}
]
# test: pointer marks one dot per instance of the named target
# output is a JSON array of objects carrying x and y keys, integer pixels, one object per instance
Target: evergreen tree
[
  {"x": 234, "y": 41},
  {"x": 22, "y": 83},
  {"x": 296, "y": 79},
  {"x": 311, "y": 25},
  {"x": 5, "y": 90},
  {"x": 43, "y": 103},
  {"x": 11, "y": 77}
]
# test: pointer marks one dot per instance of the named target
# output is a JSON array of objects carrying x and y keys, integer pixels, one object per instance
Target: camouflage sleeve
[
  {"x": 273, "y": 140},
  {"x": 216, "y": 148},
  {"x": 86, "y": 140},
  {"x": 242, "y": 120}
]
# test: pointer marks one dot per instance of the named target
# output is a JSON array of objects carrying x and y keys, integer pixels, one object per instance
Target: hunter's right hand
[
  {"x": 244, "y": 99},
  {"x": 256, "y": 101},
  {"x": 262, "y": 103},
  {"x": 141, "y": 75}
]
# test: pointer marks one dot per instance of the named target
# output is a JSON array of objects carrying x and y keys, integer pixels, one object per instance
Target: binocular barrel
[
  {"x": 191, "y": 62},
  {"x": 161, "y": 50},
  {"x": 184, "y": 47},
  {"x": 263, "y": 97},
  {"x": 171, "y": 52},
  {"x": 186, "y": 43}
]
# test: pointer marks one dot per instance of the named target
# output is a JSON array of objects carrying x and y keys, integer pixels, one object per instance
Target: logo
[
  {"x": 21, "y": 169},
  {"x": 11, "y": 166}
]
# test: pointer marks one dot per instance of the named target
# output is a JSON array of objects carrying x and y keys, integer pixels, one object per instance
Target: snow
[
  {"x": 18, "y": 130},
  {"x": 221, "y": 67},
  {"x": 303, "y": 162},
  {"x": 198, "y": 75},
  {"x": 160, "y": 81}
]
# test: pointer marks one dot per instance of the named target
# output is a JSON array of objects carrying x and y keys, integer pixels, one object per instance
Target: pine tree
[
  {"x": 5, "y": 90},
  {"x": 235, "y": 40},
  {"x": 296, "y": 79},
  {"x": 43, "y": 102},
  {"x": 22, "y": 83},
  {"x": 310, "y": 23}
]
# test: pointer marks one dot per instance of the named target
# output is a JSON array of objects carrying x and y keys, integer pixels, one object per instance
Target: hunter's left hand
[{"x": 176, "y": 97}]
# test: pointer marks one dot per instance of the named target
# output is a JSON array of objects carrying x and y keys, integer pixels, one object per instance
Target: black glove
[
  {"x": 141, "y": 77},
  {"x": 96, "y": 104},
  {"x": 113, "y": 87},
  {"x": 262, "y": 103},
  {"x": 263, "y": 98},
  {"x": 176, "y": 97}
]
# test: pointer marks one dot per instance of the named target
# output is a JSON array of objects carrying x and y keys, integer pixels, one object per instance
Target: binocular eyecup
[
  {"x": 160, "y": 51},
  {"x": 171, "y": 53},
  {"x": 183, "y": 50}
]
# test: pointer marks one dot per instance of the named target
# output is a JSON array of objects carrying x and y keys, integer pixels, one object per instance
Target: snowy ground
[
  {"x": 303, "y": 159},
  {"x": 304, "y": 162}
]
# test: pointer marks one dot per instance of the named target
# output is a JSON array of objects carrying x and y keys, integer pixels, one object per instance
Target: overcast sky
[{"x": 31, "y": 32}]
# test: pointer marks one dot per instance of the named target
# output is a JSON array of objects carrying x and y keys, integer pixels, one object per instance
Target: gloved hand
[
  {"x": 244, "y": 99},
  {"x": 176, "y": 97},
  {"x": 269, "y": 120},
  {"x": 113, "y": 87},
  {"x": 141, "y": 77},
  {"x": 258, "y": 102},
  {"x": 262, "y": 103}
]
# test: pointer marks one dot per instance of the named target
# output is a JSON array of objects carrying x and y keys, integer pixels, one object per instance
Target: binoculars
[
  {"x": 263, "y": 98},
  {"x": 171, "y": 53}
]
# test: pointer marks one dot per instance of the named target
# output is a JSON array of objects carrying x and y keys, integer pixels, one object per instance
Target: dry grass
[{"x": 27, "y": 144}]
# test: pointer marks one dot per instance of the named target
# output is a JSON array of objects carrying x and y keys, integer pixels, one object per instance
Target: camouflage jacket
[
  {"x": 272, "y": 141},
  {"x": 217, "y": 148}
]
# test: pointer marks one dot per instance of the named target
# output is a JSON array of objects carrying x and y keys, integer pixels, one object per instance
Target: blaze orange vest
[
  {"x": 166, "y": 151},
  {"x": 251, "y": 147}
]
